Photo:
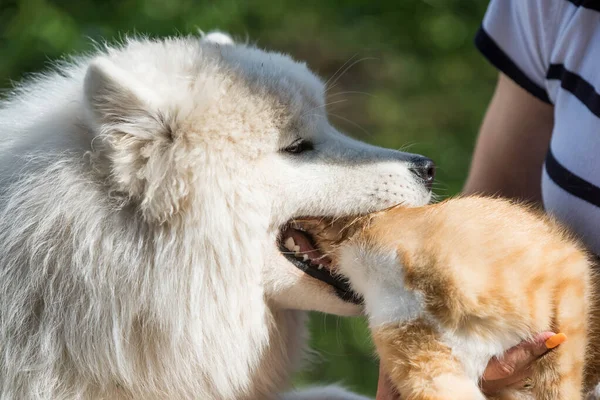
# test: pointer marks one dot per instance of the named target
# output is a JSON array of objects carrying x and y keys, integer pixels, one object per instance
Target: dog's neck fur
[{"x": 195, "y": 358}]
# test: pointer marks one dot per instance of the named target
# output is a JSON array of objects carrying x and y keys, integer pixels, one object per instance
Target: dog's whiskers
[
  {"x": 351, "y": 122},
  {"x": 351, "y": 92},
  {"x": 323, "y": 106},
  {"x": 346, "y": 70},
  {"x": 338, "y": 70},
  {"x": 407, "y": 146}
]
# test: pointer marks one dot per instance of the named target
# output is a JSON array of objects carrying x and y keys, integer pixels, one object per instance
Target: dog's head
[{"x": 237, "y": 141}]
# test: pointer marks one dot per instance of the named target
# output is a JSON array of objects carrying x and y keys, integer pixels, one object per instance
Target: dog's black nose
[{"x": 424, "y": 168}]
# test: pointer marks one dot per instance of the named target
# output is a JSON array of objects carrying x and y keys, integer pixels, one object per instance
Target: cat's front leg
[{"x": 420, "y": 366}]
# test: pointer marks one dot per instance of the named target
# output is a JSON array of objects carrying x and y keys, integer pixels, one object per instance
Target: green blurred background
[{"x": 414, "y": 81}]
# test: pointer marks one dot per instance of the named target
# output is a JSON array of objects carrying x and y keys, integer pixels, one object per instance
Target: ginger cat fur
[{"x": 448, "y": 286}]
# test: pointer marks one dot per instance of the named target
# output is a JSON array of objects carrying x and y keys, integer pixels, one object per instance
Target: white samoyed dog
[{"x": 147, "y": 243}]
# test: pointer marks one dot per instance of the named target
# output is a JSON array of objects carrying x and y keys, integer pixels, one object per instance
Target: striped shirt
[{"x": 551, "y": 48}]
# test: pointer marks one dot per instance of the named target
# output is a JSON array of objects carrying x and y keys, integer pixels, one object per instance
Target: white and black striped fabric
[{"x": 551, "y": 48}]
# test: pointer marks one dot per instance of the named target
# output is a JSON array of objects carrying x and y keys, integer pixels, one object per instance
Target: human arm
[{"x": 512, "y": 144}]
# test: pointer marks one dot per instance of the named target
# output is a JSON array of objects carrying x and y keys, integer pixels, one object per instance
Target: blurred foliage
[{"x": 406, "y": 76}]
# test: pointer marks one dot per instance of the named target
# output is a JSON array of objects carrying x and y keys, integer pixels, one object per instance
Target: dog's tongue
[{"x": 300, "y": 244}]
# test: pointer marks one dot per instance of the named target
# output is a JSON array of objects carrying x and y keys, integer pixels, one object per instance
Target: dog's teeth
[
  {"x": 296, "y": 249},
  {"x": 305, "y": 257},
  {"x": 320, "y": 266},
  {"x": 290, "y": 244}
]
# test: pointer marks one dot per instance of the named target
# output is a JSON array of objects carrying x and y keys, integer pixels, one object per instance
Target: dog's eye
[{"x": 299, "y": 146}]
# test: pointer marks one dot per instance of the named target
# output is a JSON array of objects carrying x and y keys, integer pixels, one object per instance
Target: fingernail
[{"x": 556, "y": 340}]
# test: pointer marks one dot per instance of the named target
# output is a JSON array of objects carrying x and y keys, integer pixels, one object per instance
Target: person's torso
[{"x": 571, "y": 176}]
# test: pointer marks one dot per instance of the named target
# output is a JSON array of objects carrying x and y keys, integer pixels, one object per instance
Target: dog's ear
[
  {"x": 135, "y": 146},
  {"x": 114, "y": 95},
  {"x": 217, "y": 37}
]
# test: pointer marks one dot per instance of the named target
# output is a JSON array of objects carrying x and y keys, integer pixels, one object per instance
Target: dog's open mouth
[{"x": 308, "y": 244}]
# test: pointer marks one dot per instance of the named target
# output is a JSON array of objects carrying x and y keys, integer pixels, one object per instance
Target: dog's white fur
[{"x": 142, "y": 191}]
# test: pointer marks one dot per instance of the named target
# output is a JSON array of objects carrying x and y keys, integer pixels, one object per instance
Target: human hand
[
  {"x": 512, "y": 370},
  {"x": 385, "y": 389}
]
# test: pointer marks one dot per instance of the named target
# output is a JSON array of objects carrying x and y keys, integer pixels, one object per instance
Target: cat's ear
[{"x": 135, "y": 139}]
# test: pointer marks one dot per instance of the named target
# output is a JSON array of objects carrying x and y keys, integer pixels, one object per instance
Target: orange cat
[{"x": 448, "y": 286}]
